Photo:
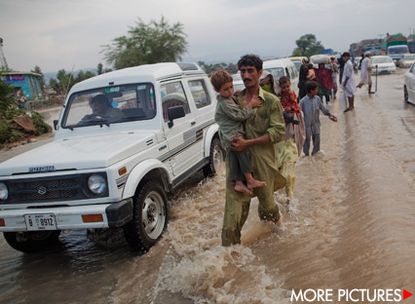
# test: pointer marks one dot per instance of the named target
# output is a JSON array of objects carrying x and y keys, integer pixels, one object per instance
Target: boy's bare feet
[
  {"x": 240, "y": 187},
  {"x": 254, "y": 183}
]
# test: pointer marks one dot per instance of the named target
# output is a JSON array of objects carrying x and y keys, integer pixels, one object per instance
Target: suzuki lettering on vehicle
[{"x": 41, "y": 169}]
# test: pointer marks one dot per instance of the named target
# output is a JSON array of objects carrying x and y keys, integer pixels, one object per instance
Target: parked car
[
  {"x": 382, "y": 65},
  {"x": 124, "y": 141},
  {"x": 283, "y": 67},
  {"x": 406, "y": 61},
  {"x": 409, "y": 86}
]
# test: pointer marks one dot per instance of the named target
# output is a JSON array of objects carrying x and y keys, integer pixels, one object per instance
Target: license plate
[{"x": 35, "y": 222}]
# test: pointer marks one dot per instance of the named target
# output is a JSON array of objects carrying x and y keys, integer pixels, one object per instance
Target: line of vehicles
[{"x": 395, "y": 46}]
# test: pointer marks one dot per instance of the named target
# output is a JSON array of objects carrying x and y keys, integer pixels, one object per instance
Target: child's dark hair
[
  {"x": 250, "y": 60},
  {"x": 219, "y": 78},
  {"x": 311, "y": 85},
  {"x": 284, "y": 80}
]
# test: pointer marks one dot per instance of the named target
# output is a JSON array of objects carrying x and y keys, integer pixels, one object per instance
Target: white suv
[{"x": 124, "y": 141}]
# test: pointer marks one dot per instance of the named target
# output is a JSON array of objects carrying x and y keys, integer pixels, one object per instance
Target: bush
[
  {"x": 7, "y": 134},
  {"x": 41, "y": 126}
]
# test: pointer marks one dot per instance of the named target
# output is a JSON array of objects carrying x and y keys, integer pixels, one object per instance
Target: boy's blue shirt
[{"x": 311, "y": 107}]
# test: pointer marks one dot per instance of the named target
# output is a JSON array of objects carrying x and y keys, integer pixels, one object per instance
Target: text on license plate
[{"x": 40, "y": 221}]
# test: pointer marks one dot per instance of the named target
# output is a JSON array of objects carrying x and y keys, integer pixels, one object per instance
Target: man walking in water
[
  {"x": 348, "y": 81},
  {"x": 263, "y": 130},
  {"x": 365, "y": 73}
]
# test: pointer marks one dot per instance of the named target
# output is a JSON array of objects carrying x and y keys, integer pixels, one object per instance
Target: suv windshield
[
  {"x": 398, "y": 50},
  {"x": 109, "y": 105}
]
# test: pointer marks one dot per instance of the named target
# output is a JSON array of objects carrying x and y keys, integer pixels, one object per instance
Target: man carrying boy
[
  {"x": 230, "y": 117},
  {"x": 263, "y": 130},
  {"x": 311, "y": 105}
]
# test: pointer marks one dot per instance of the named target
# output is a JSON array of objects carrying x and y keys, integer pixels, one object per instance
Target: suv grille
[{"x": 57, "y": 188}]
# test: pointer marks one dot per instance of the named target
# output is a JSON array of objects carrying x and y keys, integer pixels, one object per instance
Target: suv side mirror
[
  {"x": 55, "y": 124},
  {"x": 175, "y": 113}
]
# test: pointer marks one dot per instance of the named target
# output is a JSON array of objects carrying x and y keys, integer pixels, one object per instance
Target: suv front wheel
[
  {"x": 216, "y": 158},
  {"x": 149, "y": 217}
]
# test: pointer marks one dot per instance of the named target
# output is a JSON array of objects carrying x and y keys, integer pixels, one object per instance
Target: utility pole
[{"x": 3, "y": 62}]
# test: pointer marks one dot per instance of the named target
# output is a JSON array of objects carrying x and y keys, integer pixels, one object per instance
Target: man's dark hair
[
  {"x": 346, "y": 54},
  {"x": 311, "y": 85},
  {"x": 250, "y": 60},
  {"x": 100, "y": 98}
]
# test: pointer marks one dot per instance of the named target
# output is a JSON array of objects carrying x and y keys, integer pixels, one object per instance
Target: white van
[{"x": 283, "y": 67}]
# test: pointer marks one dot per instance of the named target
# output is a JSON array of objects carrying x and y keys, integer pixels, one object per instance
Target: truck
[
  {"x": 395, "y": 46},
  {"x": 124, "y": 141}
]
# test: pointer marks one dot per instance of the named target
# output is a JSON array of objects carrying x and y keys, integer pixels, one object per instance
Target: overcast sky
[{"x": 56, "y": 34}]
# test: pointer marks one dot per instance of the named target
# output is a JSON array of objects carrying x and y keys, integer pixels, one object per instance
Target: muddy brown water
[{"x": 351, "y": 225}]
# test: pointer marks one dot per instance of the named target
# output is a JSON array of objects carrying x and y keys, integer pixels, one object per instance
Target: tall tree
[
  {"x": 156, "y": 41},
  {"x": 307, "y": 45},
  {"x": 37, "y": 70}
]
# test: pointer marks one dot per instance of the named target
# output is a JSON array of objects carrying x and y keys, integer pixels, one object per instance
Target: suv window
[
  {"x": 172, "y": 94},
  {"x": 276, "y": 72},
  {"x": 113, "y": 104},
  {"x": 199, "y": 93}
]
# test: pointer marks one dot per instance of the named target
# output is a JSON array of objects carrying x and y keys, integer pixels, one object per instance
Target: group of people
[
  {"x": 325, "y": 75},
  {"x": 263, "y": 134}
]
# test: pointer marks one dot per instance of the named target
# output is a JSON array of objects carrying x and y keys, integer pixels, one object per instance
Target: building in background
[{"x": 30, "y": 83}]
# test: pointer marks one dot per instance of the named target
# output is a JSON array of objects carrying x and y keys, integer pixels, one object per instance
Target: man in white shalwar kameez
[
  {"x": 348, "y": 82},
  {"x": 365, "y": 73}
]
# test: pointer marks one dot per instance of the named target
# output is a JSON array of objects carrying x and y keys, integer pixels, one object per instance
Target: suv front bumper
[{"x": 113, "y": 215}]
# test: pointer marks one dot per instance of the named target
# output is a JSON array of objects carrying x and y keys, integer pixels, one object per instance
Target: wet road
[{"x": 351, "y": 225}]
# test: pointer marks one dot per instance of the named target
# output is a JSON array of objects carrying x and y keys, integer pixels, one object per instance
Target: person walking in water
[
  {"x": 348, "y": 82},
  {"x": 289, "y": 149},
  {"x": 311, "y": 105},
  {"x": 366, "y": 73},
  {"x": 230, "y": 117},
  {"x": 263, "y": 130}
]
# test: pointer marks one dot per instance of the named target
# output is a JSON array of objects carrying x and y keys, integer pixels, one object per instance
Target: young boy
[
  {"x": 230, "y": 117},
  {"x": 311, "y": 105}
]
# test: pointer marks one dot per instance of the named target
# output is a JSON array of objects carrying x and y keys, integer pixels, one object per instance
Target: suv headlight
[
  {"x": 97, "y": 184},
  {"x": 4, "y": 192}
]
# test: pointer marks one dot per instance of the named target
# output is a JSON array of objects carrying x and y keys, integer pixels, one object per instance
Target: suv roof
[{"x": 142, "y": 73}]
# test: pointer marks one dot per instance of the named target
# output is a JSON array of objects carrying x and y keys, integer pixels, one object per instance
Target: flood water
[{"x": 351, "y": 225}]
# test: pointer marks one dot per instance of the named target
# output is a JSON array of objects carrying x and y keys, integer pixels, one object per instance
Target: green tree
[
  {"x": 156, "y": 41},
  {"x": 83, "y": 75},
  {"x": 64, "y": 81},
  {"x": 37, "y": 70},
  {"x": 307, "y": 45},
  {"x": 209, "y": 68}
]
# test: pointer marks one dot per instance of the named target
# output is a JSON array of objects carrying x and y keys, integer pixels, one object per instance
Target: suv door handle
[
  {"x": 193, "y": 123},
  {"x": 163, "y": 147}
]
